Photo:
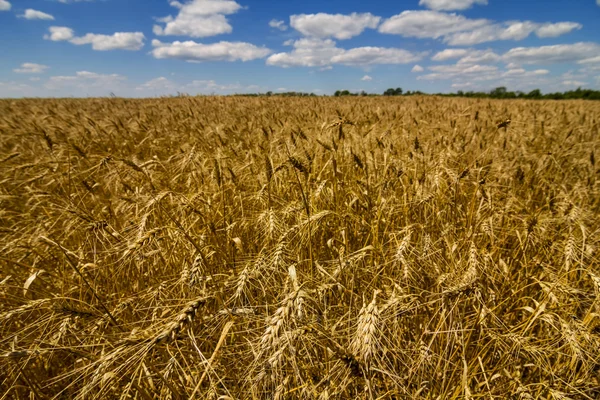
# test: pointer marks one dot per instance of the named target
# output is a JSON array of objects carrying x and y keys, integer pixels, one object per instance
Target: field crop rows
[{"x": 231, "y": 247}]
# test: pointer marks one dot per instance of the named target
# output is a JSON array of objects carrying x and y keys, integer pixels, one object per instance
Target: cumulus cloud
[
  {"x": 591, "y": 60},
  {"x": 429, "y": 24},
  {"x": 458, "y": 30},
  {"x": 4, "y": 5},
  {"x": 573, "y": 83},
  {"x": 87, "y": 76},
  {"x": 366, "y": 78},
  {"x": 480, "y": 57},
  {"x": 199, "y": 52},
  {"x": 278, "y": 24},
  {"x": 441, "y": 72},
  {"x": 307, "y": 52},
  {"x": 59, "y": 33},
  {"x": 17, "y": 89},
  {"x": 449, "y": 54},
  {"x": 472, "y": 76},
  {"x": 448, "y": 5},
  {"x": 483, "y": 77},
  {"x": 312, "y": 52},
  {"x": 164, "y": 86},
  {"x": 160, "y": 84},
  {"x": 35, "y": 14},
  {"x": 523, "y": 72},
  {"x": 517, "y": 30},
  {"x": 86, "y": 83},
  {"x": 198, "y": 18},
  {"x": 417, "y": 68},
  {"x": 582, "y": 53},
  {"x": 558, "y": 29},
  {"x": 492, "y": 32},
  {"x": 210, "y": 86},
  {"x": 117, "y": 41},
  {"x": 559, "y": 53},
  {"x": 339, "y": 26},
  {"x": 375, "y": 55},
  {"x": 31, "y": 68}
]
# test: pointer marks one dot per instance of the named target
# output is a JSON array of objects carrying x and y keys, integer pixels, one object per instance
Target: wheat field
[{"x": 310, "y": 248}]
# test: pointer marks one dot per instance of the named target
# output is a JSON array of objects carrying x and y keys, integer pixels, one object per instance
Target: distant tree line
[
  {"x": 283, "y": 94},
  {"x": 502, "y": 93},
  {"x": 497, "y": 93}
]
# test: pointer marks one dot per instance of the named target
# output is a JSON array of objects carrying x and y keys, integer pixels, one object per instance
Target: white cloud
[
  {"x": 160, "y": 84},
  {"x": 417, "y": 68},
  {"x": 480, "y": 57},
  {"x": 4, "y": 5},
  {"x": 375, "y": 55},
  {"x": 339, "y": 26},
  {"x": 468, "y": 56},
  {"x": 514, "y": 30},
  {"x": 31, "y": 68},
  {"x": 492, "y": 32},
  {"x": 116, "y": 41},
  {"x": 462, "y": 85},
  {"x": 592, "y": 60},
  {"x": 573, "y": 83},
  {"x": 485, "y": 77},
  {"x": 447, "y": 5},
  {"x": 457, "y": 30},
  {"x": 449, "y": 54},
  {"x": 278, "y": 24},
  {"x": 59, "y": 33},
  {"x": 199, "y": 52},
  {"x": 574, "y": 75},
  {"x": 553, "y": 54},
  {"x": 470, "y": 70},
  {"x": 558, "y": 29},
  {"x": 87, "y": 76},
  {"x": 164, "y": 86},
  {"x": 198, "y": 18},
  {"x": 35, "y": 14},
  {"x": 429, "y": 24},
  {"x": 34, "y": 79},
  {"x": 598, "y": 2},
  {"x": 366, "y": 78},
  {"x": 311, "y": 52},
  {"x": 441, "y": 72},
  {"x": 85, "y": 83},
  {"x": 522, "y": 72},
  {"x": 307, "y": 53},
  {"x": 17, "y": 89},
  {"x": 208, "y": 86}
]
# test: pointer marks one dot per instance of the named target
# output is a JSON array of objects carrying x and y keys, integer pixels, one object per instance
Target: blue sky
[{"x": 142, "y": 48}]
